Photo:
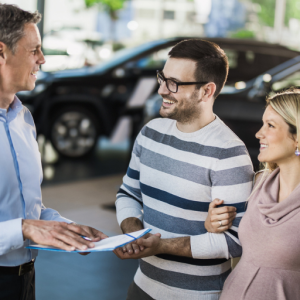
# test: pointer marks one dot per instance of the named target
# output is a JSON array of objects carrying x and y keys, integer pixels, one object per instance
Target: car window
[
  {"x": 291, "y": 80},
  {"x": 232, "y": 58},
  {"x": 123, "y": 55},
  {"x": 246, "y": 65},
  {"x": 154, "y": 61}
]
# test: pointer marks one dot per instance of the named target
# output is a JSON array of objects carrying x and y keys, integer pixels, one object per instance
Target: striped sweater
[{"x": 171, "y": 180}]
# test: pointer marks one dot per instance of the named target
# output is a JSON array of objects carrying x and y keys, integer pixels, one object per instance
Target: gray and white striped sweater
[{"x": 171, "y": 179}]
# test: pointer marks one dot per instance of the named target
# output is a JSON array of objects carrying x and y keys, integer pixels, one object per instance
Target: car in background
[
  {"x": 241, "y": 106},
  {"x": 72, "y": 108}
]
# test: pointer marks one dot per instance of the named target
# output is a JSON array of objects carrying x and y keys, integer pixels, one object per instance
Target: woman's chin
[
  {"x": 260, "y": 158},
  {"x": 263, "y": 159}
]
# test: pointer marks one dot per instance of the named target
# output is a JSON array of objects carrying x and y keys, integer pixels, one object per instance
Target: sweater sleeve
[
  {"x": 129, "y": 201},
  {"x": 231, "y": 180}
]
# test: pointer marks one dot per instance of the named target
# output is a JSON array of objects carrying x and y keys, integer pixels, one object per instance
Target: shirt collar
[{"x": 13, "y": 110}]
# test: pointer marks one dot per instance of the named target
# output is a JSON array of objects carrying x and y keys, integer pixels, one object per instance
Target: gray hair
[{"x": 12, "y": 22}]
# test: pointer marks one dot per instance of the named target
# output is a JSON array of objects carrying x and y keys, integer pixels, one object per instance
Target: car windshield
[{"x": 123, "y": 55}]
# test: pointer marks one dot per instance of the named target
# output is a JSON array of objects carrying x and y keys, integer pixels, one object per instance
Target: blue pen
[{"x": 86, "y": 238}]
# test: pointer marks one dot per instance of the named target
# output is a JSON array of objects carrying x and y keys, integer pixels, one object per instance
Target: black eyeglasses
[{"x": 171, "y": 84}]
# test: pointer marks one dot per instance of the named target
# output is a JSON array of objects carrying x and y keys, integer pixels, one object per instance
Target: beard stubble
[{"x": 186, "y": 112}]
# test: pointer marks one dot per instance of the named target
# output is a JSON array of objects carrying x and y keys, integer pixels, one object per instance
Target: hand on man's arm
[
  {"x": 151, "y": 244},
  {"x": 219, "y": 219},
  {"x": 60, "y": 234}
]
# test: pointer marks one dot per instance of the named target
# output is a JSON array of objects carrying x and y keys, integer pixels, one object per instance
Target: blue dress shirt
[{"x": 20, "y": 183}]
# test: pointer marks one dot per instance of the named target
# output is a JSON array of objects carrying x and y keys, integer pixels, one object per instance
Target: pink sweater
[{"x": 270, "y": 236}]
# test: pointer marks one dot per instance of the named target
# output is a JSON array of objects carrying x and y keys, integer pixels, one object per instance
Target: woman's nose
[{"x": 259, "y": 134}]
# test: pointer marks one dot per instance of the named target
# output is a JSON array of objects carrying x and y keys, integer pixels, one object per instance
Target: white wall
[
  {"x": 69, "y": 13},
  {"x": 62, "y": 13},
  {"x": 24, "y": 4},
  {"x": 152, "y": 25}
]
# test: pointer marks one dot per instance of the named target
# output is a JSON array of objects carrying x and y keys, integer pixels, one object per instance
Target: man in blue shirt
[{"x": 23, "y": 217}]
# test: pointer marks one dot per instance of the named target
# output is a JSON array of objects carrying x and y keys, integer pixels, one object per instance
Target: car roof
[
  {"x": 126, "y": 54},
  {"x": 251, "y": 45}
]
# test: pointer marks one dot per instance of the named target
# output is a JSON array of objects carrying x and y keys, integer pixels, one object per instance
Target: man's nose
[
  {"x": 163, "y": 90},
  {"x": 42, "y": 59}
]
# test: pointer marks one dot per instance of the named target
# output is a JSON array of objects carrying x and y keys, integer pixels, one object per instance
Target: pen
[{"x": 86, "y": 238}]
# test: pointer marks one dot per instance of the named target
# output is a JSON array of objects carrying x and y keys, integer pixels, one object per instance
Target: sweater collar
[
  {"x": 271, "y": 211},
  {"x": 203, "y": 130}
]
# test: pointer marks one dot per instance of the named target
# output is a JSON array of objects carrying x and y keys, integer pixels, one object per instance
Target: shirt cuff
[
  {"x": 11, "y": 235},
  {"x": 209, "y": 246}
]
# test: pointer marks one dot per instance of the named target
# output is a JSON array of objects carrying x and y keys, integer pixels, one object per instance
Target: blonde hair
[{"x": 287, "y": 104}]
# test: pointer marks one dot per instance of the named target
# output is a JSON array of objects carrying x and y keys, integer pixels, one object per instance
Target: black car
[
  {"x": 73, "y": 107},
  {"x": 241, "y": 107}
]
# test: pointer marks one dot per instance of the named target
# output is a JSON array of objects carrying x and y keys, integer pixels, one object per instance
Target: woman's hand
[{"x": 219, "y": 219}]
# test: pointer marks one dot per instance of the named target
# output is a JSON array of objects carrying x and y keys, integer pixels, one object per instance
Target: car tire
[{"x": 74, "y": 131}]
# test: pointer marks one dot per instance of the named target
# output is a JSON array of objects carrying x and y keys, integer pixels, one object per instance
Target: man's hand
[
  {"x": 90, "y": 232},
  {"x": 60, "y": 234},
  {"x": 219, "y": 219},
  {"x": 150, "y": 244},
  {"x": 131, "y": 225},
  {"x": 133, "y": 248}
]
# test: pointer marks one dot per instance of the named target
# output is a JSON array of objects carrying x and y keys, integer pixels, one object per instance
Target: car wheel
[{"x": 74, "y": 132}]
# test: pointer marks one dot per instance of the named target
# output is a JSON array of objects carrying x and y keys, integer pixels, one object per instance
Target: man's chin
[
  {"x": 166, "y": 113},
  {"x": 28, "y": 88},
  {"x": 163, "y": 112}
]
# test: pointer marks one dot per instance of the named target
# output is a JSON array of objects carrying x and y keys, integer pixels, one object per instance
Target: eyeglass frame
[{"x": 177, "y": 83}]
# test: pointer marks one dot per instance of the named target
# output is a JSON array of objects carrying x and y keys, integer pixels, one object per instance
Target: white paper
[{"x": 108, "y": 244}]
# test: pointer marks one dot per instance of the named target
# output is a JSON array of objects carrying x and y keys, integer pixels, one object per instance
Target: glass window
[
  {"x": 169, "y": 14},
  {"x": 291, "y": 80},
  {"x": 154, "y": 61},
  {"x": 250, "y": 57},
  {"x": 232, "y": 58}
]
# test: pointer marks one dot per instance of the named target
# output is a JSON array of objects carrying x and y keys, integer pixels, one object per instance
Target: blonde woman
[{"x": 269, "y": 231}]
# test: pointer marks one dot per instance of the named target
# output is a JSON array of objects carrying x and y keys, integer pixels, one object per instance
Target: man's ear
[
  {"x": 209, "y": 91},
  {"x": 3, "y": 49}
]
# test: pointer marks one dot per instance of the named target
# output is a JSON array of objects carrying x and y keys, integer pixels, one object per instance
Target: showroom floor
[{"x": 84, "y": 191}]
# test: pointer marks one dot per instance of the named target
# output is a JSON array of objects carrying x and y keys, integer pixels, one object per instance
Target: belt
[{"x": 19, "y": 270}]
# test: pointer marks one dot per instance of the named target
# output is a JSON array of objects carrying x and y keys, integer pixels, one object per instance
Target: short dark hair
[
  {"x": 12, "y": 21},
  {"x": 212, "y": 63}
]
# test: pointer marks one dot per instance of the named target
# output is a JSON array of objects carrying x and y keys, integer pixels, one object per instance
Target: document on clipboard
[{"x": 108, "y": 244}]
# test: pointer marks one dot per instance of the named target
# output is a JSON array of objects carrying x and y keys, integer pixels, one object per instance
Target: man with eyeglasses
[{"x": 179, "y": 164}]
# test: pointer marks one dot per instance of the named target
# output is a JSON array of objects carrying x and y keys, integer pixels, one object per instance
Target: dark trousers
[
  {"x": 136, "y": 293},
  {"x": 14, "y": 287}
]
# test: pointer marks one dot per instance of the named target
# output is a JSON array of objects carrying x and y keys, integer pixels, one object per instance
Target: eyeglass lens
[{"x": 171, "y": 84}]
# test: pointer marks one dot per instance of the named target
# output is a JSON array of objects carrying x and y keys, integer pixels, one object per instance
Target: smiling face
[
  {"x": 277, "y": 144},
  {"x": 21, "y": 68},
  {"x": 183, "y": 106}
]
